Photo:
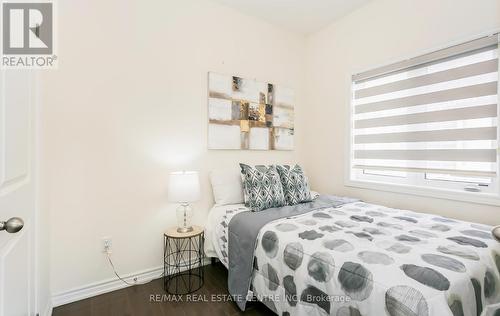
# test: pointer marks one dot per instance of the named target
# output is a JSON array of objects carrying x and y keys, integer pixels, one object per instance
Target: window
[{"x": 428, "y": 125}]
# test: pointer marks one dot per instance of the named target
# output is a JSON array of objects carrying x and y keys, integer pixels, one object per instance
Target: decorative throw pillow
[
  {"x": 295, "y": 184},
  {"x": 262, "y": 187}
]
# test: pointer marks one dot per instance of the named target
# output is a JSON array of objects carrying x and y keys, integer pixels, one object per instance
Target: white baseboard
[
  {"x": 48, "y": 310},
  {"x": 101, "y": 287},
  {"x": 109, "y": 285}
]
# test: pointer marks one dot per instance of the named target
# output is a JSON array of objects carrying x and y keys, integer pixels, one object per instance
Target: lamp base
[
  {"x": 184, "y": 213},
  {"x": 184, "y": 230}
]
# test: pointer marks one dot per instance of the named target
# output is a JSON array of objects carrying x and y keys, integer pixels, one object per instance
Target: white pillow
[{"x": 227, "y": 186}]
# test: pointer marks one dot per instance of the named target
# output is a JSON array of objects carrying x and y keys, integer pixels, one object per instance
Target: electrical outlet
[{"x": 107, "y": 244}]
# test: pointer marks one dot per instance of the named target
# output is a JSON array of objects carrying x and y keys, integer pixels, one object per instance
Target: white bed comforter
[
  {"x": 364, "y": 259},
  {"x": 216, "y": 231}
]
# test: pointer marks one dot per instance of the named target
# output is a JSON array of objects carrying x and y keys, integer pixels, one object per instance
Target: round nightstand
[{"x": 183, "y": 260}]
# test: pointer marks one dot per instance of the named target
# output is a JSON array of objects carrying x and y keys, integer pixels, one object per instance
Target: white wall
[
  {"x": 128, "y": 105},
  {"x": 381, "y": 32}
]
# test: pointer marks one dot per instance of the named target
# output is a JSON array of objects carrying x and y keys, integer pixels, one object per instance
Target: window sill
[{"x": 464, "y": 196}]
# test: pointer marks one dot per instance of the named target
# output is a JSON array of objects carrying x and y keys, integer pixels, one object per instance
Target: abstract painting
[{"x": 248, "y": 114}]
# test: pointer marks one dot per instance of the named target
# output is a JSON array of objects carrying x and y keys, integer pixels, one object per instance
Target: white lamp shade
[{"x": 184, "y": 187}]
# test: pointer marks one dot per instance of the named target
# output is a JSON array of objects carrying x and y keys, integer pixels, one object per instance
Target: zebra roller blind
[{"x": 434, "y": 113}]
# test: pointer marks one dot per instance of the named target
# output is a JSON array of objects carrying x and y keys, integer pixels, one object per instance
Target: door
[{"x": 17, "y": 192}]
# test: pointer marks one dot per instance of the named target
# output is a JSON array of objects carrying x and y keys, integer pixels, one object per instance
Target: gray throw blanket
[{"x": 243, "y": 232}]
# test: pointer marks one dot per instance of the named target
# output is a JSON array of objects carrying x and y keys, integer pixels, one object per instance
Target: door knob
[
  {"x": 13, "y": 225},
  {"x": 496, "y": 232}
]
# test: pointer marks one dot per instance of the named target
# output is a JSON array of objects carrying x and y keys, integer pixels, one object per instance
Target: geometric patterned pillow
[
  {"x": 295, "y": 184},
  {"x": 261, "y": 187}
]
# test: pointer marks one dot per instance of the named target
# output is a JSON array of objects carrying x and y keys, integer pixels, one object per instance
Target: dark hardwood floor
[{"x": 136, "y": 300}]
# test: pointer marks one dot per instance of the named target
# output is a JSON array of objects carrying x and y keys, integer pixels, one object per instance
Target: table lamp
[{"x": 184, "y": 188}]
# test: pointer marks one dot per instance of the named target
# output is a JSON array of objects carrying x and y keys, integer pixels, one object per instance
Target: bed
[{"x": 337, "y": 256}]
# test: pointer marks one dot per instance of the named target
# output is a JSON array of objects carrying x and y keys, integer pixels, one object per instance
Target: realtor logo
[{"x": 28, "y": 35}]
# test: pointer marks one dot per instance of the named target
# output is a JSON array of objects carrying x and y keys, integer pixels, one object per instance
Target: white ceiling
[{"x": 303, "y": 16}]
